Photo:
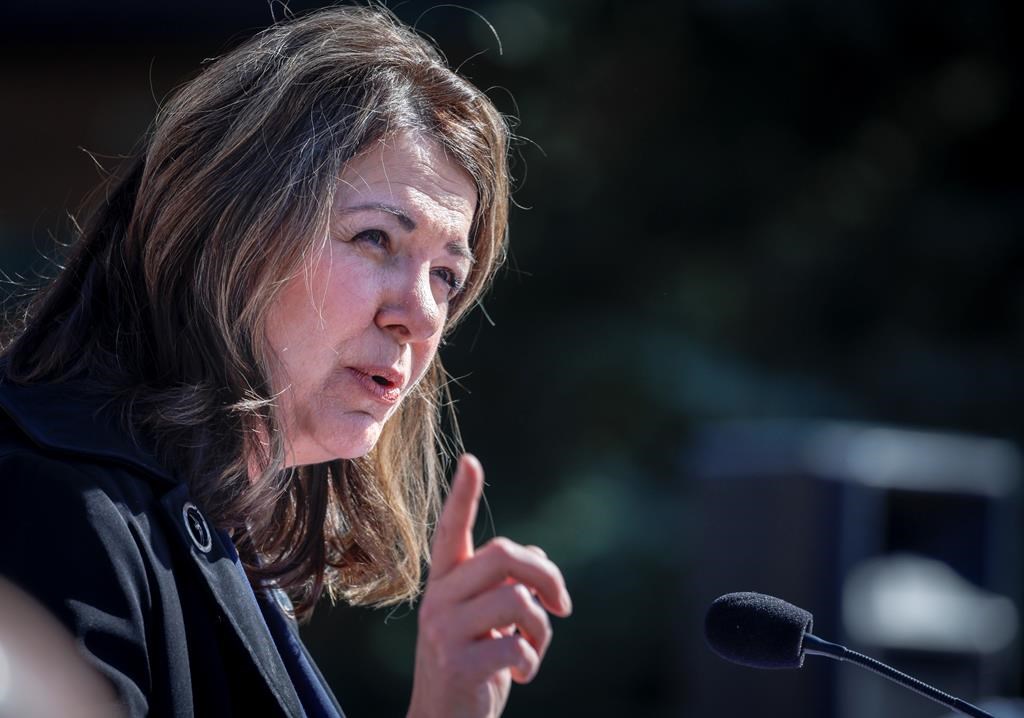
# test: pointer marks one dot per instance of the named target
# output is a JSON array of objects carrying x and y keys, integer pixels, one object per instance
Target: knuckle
[
  {"x": 525, "y": 658},
  {"x": 551, "y": 568},
  {"x": 449, "y": 669},
  {"x": 504, "y": 548},
  {"x": 521, "y": 650},
  {"x": 434, "y": 628},
  {"x": 432, "y": 633},
  {"x": 522, "y": 597},
  {"x": 428, "y": 608}
]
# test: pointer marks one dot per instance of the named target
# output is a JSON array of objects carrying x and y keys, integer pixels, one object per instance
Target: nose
[{"x": 409, "y": 310}]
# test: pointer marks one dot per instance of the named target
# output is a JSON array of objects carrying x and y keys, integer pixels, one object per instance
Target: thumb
[{"x": 453, "y": 540}]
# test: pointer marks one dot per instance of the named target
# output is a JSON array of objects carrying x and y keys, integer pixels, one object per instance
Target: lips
[{"x": 383, "y": 383}]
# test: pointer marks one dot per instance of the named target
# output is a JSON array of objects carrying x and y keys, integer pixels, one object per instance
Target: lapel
[
  {"x": 284, "y": 610},
  {"x": 228, "y": 586}
]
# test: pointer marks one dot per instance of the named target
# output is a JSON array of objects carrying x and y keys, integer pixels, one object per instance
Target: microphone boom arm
[{"x": 818, "y": 647}]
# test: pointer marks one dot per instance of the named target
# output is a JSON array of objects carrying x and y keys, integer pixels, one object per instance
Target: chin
[{"x": 347, "y": 438}]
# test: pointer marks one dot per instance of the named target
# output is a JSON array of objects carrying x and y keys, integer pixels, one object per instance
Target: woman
[{"x": 229, "y": 398}]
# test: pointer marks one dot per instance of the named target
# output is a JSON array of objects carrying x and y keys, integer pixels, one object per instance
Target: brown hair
[{"x": 164, "y": 298}]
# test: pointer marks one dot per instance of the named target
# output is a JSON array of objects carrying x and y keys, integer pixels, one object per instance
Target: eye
[
  {"x": 375, "y": 237},
  {"x": 450, "y": 278}
]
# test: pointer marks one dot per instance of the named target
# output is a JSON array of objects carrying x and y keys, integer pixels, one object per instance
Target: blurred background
[{"x": 761, "y": 327}]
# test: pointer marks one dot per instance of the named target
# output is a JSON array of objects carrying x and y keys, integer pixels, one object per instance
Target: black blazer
[{"x": 111, "y": 544}]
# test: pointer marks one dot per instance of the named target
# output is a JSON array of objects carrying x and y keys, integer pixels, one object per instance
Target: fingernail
[{"x": 566, "y": 604}]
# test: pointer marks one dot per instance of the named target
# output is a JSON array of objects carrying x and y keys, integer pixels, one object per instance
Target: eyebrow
[
  {"x": 457, "y": 249},
  {"x": 407, "y": 222}
]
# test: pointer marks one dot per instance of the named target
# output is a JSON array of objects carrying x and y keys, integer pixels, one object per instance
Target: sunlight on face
[{"x": 354, "y": 332}]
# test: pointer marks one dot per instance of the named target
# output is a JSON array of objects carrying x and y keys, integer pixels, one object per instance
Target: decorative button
[{"x": 196, "y": 526}]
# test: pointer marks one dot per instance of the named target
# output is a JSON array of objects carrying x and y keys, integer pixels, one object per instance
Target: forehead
[{"x": 415, "y": 174}]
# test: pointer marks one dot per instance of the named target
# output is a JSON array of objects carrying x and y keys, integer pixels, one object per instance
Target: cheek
[
  {"x": 345, "y": 291},
  {"x": 313, "y": 307}
]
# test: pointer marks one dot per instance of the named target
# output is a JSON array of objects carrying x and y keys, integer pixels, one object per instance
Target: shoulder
[
  {"x": 70, "y": 523},
  {"x": 77, "y": 531},
  {"x": 48, "y": 488},
  {"x": 71, "y": 419},
  {"x": 77, "y": 500},
  {"x": 64, "y": 463},
  {"x": 99, "y": 536},
  {"x": 35, "y": 478}
]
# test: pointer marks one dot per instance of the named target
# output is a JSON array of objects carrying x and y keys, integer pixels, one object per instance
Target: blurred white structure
[
  {"x": 912, "y": 603},
  {"x": 42, "y": 674}
]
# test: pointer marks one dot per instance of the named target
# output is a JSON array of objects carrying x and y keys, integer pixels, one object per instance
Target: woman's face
[{"x": 353, "y": 333}]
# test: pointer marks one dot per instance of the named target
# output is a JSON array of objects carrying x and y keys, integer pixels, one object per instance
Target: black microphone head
[{"x": 757, "y": 630}]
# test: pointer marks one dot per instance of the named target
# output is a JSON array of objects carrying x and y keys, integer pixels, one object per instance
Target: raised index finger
[{"x": 453, "y": 540}]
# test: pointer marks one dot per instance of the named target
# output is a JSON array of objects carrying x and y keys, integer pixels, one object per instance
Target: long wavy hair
[{"x": 163, "y": 300}]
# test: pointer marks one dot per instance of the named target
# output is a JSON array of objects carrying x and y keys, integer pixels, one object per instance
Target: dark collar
[{"x": 64, "y": 417}]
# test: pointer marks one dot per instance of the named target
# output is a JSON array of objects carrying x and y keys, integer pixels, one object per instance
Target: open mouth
[{"x": 383, "y": 384}]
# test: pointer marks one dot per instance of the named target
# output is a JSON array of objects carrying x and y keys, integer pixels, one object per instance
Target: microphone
[{"x": 761, "y": 631}]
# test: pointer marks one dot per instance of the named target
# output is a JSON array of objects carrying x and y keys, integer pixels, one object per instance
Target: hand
[{"x": 482, "y": 621}]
